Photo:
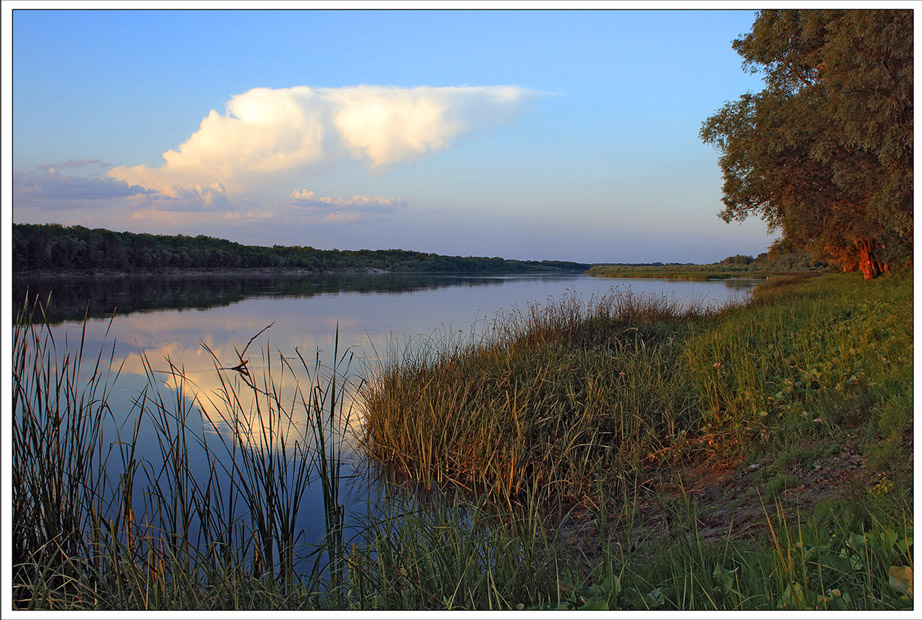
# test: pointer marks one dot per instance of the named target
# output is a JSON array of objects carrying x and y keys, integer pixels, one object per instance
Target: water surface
[{"x": 196, "y": 324}]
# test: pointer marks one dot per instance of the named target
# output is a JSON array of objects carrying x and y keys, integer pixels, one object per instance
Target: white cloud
[
  {"x": 198, "y": 198},
  {"x": 54, "y": 190},
  {"x": 268, "y": 132},
  {"x": 340, "y": 210},
  {"x": 305, "y": 198}
]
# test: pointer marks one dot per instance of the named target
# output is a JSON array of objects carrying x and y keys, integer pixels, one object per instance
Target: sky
[{"x": 526, "y": 134}]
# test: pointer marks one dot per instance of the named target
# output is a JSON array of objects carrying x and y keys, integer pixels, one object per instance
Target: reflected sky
[{"x": 370, "y": 324}]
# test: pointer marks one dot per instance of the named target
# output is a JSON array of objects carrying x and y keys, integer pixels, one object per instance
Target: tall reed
[
  {"x": 207, "y": 519},
  {"x": 551, "y": 399},
  {"x": 58, "y": 492}
]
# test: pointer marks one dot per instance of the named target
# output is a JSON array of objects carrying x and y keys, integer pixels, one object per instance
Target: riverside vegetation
[
  {"x": 780, "y": 260},
  {"x": 611, "y": 453},
  {"x": 54, "y": 249}
]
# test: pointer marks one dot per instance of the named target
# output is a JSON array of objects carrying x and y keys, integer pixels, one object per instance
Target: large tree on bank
[{"x": 824, "y": 152}]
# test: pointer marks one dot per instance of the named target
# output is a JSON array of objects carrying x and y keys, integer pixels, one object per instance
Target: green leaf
[
  {"x": 901, "y": 579},
  {"x": 724, "y": 577},
  {"x": 793, "y": 597},
  {"x": 595, "y": 602},
  {"x": 655, "y": 598},
  {"x": 841, "y": 600},
  {"x": 853, "y": 562}
]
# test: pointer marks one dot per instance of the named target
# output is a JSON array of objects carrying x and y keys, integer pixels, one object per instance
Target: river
[{"x": 198, "y": 324}]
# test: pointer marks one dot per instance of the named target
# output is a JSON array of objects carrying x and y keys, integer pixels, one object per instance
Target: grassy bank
[
  {"x": 547, "y": 403},
  {"x": 789, "y": 419},
  {"x": 613, "y": 453},
  {"x": 554, "y": 396},
  {"x": 691, "y": 272}
]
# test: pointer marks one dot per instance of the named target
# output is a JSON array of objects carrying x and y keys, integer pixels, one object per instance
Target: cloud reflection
[{"x": 273, "y": 405}]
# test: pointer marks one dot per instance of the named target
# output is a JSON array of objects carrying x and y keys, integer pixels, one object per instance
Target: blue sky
[{"x": 526, "y": 134}]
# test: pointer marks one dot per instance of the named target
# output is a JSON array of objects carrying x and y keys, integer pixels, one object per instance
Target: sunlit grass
[
  {"x": 809, "y": 358},
  {"x": 558, "y": 396},
  {"x": 551, "y": 400}
]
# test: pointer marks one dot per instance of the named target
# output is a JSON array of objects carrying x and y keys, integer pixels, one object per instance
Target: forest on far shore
[{"x": 56, "y": 248}]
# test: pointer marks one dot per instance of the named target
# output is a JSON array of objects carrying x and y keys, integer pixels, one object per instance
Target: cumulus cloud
[
  {"x": 52, "y": 190},
  {"x": 198, "y": 198},
  {"x": 266, "y": 132}
]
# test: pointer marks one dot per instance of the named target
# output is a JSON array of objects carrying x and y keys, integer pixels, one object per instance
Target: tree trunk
[{"x": 867, "y": 260}]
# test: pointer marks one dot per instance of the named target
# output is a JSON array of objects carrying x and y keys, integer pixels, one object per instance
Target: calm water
[{"x": 173, "y": 320}]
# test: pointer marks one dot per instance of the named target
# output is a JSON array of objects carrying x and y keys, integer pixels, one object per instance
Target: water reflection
[
  {"x": 367, "y": 315},
  {"x": 202, "y": 328},
  {"x": 743, "y": 284},
  {"x": 102, "y": 296}
]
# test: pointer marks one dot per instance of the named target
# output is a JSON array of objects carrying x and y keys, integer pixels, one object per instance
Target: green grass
[
  {"x": 446, "y": 552},
  {"x": 840, "y": 562},
  {"x": 551, "y": 401},
  {"x": 581, "y": 407},
  {"x": 689, "y": 272},
  {"x": 555, "y": 396},
  {"x": 808, "y": 358}
]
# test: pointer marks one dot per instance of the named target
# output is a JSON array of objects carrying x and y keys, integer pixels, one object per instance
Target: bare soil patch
[{"x": 733, "y": 501}]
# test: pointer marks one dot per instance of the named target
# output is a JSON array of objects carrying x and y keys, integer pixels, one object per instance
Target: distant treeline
[
  {"x": 778, "y": 260},
  {"x": 774, "y": 260},
  {"x": 57, "y": 248}
]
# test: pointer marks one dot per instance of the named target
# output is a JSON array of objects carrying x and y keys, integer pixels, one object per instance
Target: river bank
[
  {"x": 651, "y": 428},
  {"x": 695, "y": 272},
  {"x": 243, "y": 272},
  {"x": 620, "y": 454}
]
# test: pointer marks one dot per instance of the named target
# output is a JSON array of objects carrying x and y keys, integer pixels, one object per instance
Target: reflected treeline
[
  {"x": 73, "y": 297},
  {"x": 741, "y": 283}
]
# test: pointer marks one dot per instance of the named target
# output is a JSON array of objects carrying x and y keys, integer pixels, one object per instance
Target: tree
[{"x": 824, "y": 151}]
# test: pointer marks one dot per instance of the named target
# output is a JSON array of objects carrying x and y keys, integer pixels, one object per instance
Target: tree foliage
[
  {"x": 824, "y": 151},
  {"x": 56, "y": 248}
]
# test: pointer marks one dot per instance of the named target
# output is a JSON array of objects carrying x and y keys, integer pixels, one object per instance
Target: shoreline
[{"x": 260, "y": 271}]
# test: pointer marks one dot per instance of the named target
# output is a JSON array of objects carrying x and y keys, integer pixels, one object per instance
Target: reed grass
[
  {"x": 562, "y": 405},
  {"x": 209, "y": 521},
  {"x": 557, "y": 397},
  {"x": 551, "y": 399}
]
